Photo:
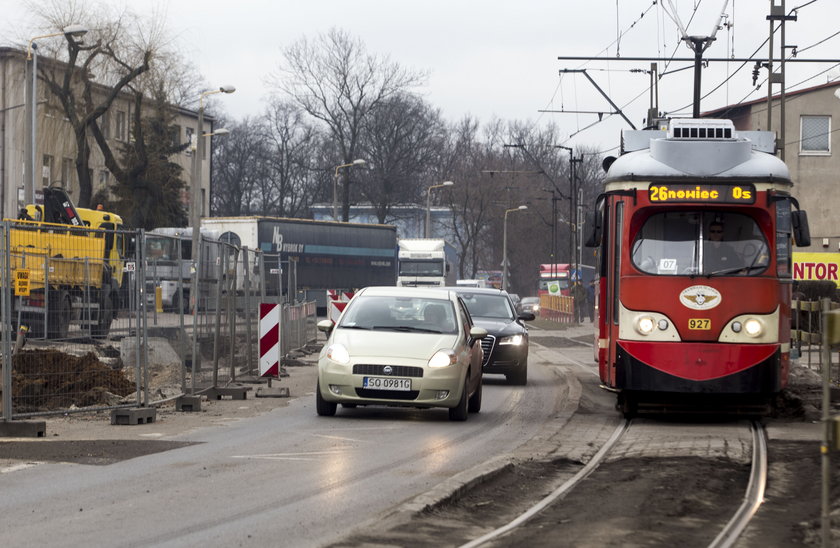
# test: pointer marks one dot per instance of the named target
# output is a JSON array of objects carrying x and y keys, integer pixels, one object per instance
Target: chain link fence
[{"x": 102, "y": 319}]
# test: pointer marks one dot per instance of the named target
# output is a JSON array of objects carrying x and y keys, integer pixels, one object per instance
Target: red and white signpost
[{"x": 269, "y": 340}]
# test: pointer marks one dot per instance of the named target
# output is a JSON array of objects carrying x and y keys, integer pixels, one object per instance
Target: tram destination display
[{"x": 694, "y": 193}]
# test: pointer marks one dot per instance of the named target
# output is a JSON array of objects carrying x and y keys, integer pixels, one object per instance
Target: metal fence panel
[
  {"x": 71, "y": 290},
  {"x": 128, "y": 329}
]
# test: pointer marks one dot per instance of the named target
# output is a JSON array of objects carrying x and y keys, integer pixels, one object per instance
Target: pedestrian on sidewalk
[{"x": 579, "y": 295}]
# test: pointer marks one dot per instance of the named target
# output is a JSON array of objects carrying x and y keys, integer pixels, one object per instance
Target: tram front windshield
[{"x": 707, "y": 243}]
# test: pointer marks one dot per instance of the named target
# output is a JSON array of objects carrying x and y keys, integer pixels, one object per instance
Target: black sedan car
[{"x": 506, "y": 345}]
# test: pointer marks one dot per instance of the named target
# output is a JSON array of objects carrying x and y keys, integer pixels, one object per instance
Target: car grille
[
  {"x": 487, "y": 344},
  {"x": 387, "y": 394},
  {"x": 397, "y": 370}
]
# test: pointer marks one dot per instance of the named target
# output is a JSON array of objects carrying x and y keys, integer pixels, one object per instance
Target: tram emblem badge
[{"x": 700, "y": 297}]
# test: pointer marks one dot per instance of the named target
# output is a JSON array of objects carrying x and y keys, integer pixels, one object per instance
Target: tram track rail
[
  {"x": 558, "y": 493},
  {"x": 754, "y": 495},
  {"x": 727, "y": 537}
]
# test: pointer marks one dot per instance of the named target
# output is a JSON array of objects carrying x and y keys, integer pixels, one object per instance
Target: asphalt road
[{"x": 286, "y": 477}]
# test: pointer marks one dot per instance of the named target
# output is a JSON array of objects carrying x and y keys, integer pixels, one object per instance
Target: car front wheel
[
  {"x": 474, "y": 404},
  {"x": 459, "y": 412},
  {"x": 323, "y": 407}
]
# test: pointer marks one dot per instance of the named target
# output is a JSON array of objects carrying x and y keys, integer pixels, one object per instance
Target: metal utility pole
[{"x": 777, "y": 13}]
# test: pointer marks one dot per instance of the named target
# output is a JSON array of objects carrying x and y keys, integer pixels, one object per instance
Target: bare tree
[
  {"x": 240, "y": 161},
  {"x": 334, "y": 80},
  {"x": 401, "y": 140},
  {"x": 292, "y": 163},
  {"x": 89, "y": 78}
]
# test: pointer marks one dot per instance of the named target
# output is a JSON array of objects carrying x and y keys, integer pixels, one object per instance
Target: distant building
[
  {"x": 812, "y": 151},
  {"x": 409, "y": 219},
  {"x": 55, "y": 154}
]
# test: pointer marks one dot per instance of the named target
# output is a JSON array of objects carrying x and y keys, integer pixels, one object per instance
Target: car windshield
[
  {"x": 408, "y": 314},
  {"x": 531, "y": 300},
  {"x": 709, "y": 243},
  {"x": 488, "y": 306},
  {"x": 409, "y": 267},
  {"x": 163, "y": 248}
]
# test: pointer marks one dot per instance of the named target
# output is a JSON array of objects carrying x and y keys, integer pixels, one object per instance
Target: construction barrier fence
[{"x": 103, "y": 319}]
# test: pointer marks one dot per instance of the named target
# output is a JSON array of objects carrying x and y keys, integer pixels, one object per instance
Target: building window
[
  {"x": 816, "y": 135},
  {"x": 46, "y": 170},
  {"x": 67, "y": 169},
  {"x": 121, "y": 136},
  {"x": 190, "y": 132},
  {"x": 104, "y": 177},
  {"x": 105, "y": 124}
]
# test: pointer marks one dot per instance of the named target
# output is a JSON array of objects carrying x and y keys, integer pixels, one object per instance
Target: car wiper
[
  {"x": 355, "y": 327},
  {"x": 406, "y": 328}
]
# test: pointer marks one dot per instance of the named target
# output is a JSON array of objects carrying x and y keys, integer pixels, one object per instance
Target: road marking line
[{"x": 16, "y": 467}]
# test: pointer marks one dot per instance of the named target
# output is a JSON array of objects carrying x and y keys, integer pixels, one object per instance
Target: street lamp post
[
  {"x": 504, "y": 245},
  {"x": 195, "y": 214},
  {"x": 31, "y": 100},
  {"x": 346, "y": 208},
  {"x": 428, "y": 227}
]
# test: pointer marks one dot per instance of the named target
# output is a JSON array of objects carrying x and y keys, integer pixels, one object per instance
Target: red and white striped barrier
[{"x": 269, "y": 340}]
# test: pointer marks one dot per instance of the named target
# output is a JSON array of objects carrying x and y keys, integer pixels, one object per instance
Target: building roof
[{"x": 724, "y": 112}]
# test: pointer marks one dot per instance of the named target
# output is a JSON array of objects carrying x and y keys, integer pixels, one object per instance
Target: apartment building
[
  {"x": 55, "y": 147},
  {"x": 811, "y": 145}
]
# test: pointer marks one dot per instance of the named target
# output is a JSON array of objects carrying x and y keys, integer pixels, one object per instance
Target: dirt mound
[{"x": 45, "y": 380}]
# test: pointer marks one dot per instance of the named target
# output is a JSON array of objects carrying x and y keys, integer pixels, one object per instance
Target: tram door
[{"x": 609, "y": 287}]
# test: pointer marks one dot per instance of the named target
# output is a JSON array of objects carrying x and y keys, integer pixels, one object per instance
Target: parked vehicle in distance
[
  {"x": 530, "y": 304},
  {"x": 401, "y": 346},
  {"x": 506, "y": 344},
  {"x": 425, "y": 262}
]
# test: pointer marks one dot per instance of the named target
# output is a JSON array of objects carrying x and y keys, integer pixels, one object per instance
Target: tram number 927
[{"x": 700, "y": 323}]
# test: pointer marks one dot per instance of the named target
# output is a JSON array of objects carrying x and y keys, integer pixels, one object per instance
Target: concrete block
[
  {"x": 133, "y": 415},
  {"x": 188, "y": 403},
  {"x": 273, "y": 392},
  {"x": 232, "y": 392},
  {"x": 23, "y": 429}
]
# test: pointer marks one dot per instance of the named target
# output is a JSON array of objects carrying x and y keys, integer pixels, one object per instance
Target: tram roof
[{"x": 701, "y": 149}]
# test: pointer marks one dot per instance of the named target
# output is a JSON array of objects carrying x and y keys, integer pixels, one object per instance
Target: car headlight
[
  {"x": 339, "y": 354},
  {"x": 753, "y": 327},
  {"x": 512, "y": 339},
  {"x": 645, "y": 325},
  {"x": 443, "y": 358}
]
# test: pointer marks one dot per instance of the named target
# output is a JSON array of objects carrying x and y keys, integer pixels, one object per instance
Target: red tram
[{"x": 695, "y": 228}]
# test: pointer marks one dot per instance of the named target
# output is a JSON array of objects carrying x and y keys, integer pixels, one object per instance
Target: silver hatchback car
[{"x": 401, "y": 346}]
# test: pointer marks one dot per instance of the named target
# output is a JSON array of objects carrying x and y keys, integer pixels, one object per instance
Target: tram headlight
[
  {"x": 645, "y": 325},
  {"x": 662, "y": 324},
  {"x": 753, "y": 327}
]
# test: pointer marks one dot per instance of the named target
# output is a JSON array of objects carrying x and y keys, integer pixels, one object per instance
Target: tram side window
[{"x": 707, "y": 243}]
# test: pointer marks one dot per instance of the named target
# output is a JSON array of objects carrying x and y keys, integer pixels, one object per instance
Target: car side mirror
[
  {"x": 526, "y": 316},
  {"x": 326, "y": 326},
  {"x": 476, "y": 334}
]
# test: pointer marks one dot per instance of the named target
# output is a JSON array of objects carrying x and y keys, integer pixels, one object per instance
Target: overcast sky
[{"x": 493, "y": 58}]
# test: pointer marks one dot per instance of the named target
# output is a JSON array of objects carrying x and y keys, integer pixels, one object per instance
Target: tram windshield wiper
[{"x": 730, "y": 270}]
